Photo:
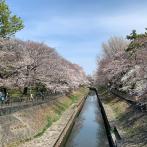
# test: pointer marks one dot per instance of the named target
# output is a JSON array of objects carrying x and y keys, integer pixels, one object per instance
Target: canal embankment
[
  {"x": 57, "y": 133},
  {"x": 131, "y": 124},
  {"x": 81, "y": 125},
  {"x": 29, "y": 126}
]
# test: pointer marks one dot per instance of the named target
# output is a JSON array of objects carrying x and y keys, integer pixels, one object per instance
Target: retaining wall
[{"x": 66, "y": 131}]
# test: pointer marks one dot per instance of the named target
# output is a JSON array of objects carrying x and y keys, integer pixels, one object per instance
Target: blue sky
[{"x": 77, "y": 28}]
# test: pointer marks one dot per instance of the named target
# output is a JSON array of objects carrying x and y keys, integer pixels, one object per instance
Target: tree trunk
[{"x": 25, "y": 91}]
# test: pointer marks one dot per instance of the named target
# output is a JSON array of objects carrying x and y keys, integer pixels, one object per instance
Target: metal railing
[{"x": 11, "y": 107}]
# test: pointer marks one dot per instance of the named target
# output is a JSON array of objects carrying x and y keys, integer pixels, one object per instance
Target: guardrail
[
  {"x": 109, "y": 130},
  {"x": 13, "y": 107}
]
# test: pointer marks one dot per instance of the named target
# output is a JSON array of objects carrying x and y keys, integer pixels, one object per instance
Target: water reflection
[{"x": 88, "y": 130}]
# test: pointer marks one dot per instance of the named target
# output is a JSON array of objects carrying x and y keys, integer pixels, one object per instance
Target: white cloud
[
  {"x": 83, "y": 25},
  {"x": 125, "y": 22},
  {"x": 61, "y": 26},
  {"x": 60, "y": 32}
]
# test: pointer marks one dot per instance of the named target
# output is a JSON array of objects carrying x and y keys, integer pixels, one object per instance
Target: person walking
[{"x": 2, "y": 98}]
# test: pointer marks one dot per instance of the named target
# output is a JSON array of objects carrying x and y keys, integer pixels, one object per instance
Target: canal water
[{"x": 89, "y": 130}]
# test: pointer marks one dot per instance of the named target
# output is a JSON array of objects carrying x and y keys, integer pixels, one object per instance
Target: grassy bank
[
  {"x": 132, "y": 125},
  {"x": 60, "y": 106},
  {"x": 49, "y": 114}
]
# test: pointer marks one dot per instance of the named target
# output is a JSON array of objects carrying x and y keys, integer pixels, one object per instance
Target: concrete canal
[{"x": 89, "y": 130}]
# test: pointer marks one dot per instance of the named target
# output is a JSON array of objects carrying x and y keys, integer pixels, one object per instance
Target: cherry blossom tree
[
  {"x": 123, "y": 65},
  {"x": 114, "y": 63},
  {"x": 25, "y": 63}
]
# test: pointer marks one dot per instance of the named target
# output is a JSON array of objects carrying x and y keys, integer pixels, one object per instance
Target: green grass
[
  {"x": 131, "y": 131},
  {"x": 59, "y": 109},
  {"x": 49, "y": 123},
  {"x": 74, "y": 98},
  {"x": 14, "y": 92}
]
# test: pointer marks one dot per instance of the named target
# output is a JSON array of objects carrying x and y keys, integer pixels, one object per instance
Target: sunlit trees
[
  {"x": 9, "y": 24},
  {"x": 114, "y": 45},
  {"x": 25, "y": 64},
  {"x": 114, "y": 63},
  {"x": 132, "y": 36},
  {"x": 123, "y": 65}
]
